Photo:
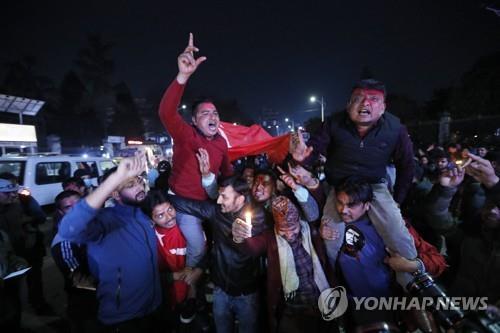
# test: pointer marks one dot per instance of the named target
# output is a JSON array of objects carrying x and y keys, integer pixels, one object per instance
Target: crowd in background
[
  {"x": 450, "y": 212},
  {"x": 203, "y": 244}
]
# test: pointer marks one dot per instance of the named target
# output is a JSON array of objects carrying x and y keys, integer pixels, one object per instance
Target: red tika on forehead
[{"x": 369, "y": 91}]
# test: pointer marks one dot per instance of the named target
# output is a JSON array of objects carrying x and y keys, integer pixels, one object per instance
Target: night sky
[{"x": 262, "y": 53}]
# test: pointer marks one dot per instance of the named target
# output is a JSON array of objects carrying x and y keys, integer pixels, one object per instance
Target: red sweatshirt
[
  {"x": 434, "y": 262},
  {"x": 185, "y": 179},
  {"x": 172, "y": 254}
]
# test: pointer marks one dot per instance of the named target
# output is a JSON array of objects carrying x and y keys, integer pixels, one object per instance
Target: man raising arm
[{"x": 185, "y": 179}]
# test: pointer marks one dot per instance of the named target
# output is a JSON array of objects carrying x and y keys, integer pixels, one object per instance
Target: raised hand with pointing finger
[
  {"x": 287, "y": 179},
  {"x": 189, "y": 165},
  {"x": 186, "y": 61}
]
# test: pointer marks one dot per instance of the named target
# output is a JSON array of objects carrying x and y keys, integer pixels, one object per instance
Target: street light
[
  {"x": 292, "y": 127},
  {"x": 321, "y": 102}
]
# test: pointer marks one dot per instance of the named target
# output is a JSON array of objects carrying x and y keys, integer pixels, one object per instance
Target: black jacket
[
  {"x": 348, "y": 154},
  {"x": 236, "y": 273}
]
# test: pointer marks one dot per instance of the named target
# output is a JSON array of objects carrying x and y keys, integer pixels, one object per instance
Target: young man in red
[
  {"x": 181, "y": 281},
  {"x": 185, "y": 179}
]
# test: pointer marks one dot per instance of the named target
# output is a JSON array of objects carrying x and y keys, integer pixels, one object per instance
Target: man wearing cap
[
  {"x": 8, "y": 191},
  {"x": 296, "y": 268},
  {"x": 362, "y": 141},
  {"x": 121, "y": 249}
]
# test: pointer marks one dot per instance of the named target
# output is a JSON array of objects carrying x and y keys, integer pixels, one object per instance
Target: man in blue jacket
[{"x": 121, "y": 247}]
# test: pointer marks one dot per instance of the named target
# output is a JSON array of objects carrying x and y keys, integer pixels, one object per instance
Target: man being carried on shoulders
[{"x": 185, "y": 179}]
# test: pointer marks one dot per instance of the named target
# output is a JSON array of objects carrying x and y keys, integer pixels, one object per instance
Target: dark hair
[
  {"x": 451, "y": 144},
  {"x": 79, "y": 173},
  {"x": 196, "y": 103},
  {"x": 153, "y": 199},
  {"x": 108, "y": 173},
  {"x": 250, "y": 167},
  {"x": 238, "y": 183},
  {"x": 436, "y": 154},
  {"x": 249, "y": 162},
  {"x": 63, "y": 195},
  {"x": 78, "y": 181},
  {"x": 266, "y": 172},
  {"x": 358, "y": 189},
  {"x": 370, "y": 84},
  {"x": 164, "y": 166}
]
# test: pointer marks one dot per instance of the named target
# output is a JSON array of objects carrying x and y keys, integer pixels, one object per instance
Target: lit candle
[{"x": 248, "y": 218}]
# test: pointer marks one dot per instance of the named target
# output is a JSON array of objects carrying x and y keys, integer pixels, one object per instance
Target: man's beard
[{"x": 137, "y": 201}]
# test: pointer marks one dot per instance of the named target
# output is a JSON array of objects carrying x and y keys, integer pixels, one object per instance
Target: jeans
[
  {"x": 195, "y": 238},
  {"x": 386, "y": 217},
  {"x": 244, "y": 308}
]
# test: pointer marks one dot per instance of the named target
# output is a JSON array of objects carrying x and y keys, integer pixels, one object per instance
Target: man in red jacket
[{"x": 185, "y": 179}]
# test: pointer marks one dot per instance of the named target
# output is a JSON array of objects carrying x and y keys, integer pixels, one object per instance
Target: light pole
[
  {"x": 287, "y": 120},
  {"x": 321, "y": 102}
]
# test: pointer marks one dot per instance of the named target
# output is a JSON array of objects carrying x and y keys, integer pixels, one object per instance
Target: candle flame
[{"x": 248, "y": 218}]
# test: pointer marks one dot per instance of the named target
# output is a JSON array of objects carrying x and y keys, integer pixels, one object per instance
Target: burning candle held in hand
[{"x": 248, "y": 218}]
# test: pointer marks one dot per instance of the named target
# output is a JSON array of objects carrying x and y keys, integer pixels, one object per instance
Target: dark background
[{"x": 264, "y": 54}]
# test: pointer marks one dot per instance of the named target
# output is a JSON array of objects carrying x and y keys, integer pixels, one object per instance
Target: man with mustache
[
  {"x": 185, "y": 179},
  {"x": 121, "y": 249},
  {"x": 297, "y": 268},
  {"x": 362, "y": 141}
]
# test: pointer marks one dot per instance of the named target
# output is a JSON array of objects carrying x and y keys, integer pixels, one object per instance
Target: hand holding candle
[
  {"x": 248, "y": 222},
  {"x": 242, "y": 229}
]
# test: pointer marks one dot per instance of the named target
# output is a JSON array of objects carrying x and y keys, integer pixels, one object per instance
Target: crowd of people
[{"x": 356, "y": 206}]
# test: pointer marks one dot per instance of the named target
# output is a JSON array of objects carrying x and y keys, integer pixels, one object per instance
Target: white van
[{"x": 43, "y": 174}]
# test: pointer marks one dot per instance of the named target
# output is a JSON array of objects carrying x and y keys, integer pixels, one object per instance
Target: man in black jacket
[
  {"x": 362, "y": 141},
  {"x": 234, "y": 273}
]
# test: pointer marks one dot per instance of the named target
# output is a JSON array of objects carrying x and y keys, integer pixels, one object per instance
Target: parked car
[{"x": 42, "y": 174}]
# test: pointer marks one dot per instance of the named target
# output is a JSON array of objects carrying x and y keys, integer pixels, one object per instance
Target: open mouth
[
  {"x": 140, "y": 196},
  {"x": 364, "y": 112},
  {"x": 170, "y": 223},
  {"x": 259, "y": 194},
  {"x": 212, "y": 126}
]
